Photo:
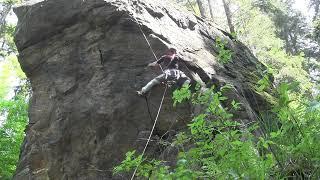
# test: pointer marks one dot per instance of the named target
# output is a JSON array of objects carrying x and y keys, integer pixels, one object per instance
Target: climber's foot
[{"x": 140, "y": 93}]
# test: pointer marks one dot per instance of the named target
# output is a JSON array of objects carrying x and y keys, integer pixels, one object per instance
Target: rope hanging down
[
  {"x": 154, "y": 125},
  {"x": 165, "y": 90}
]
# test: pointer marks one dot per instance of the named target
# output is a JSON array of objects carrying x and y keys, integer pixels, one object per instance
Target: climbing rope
[
  {"x": 149, "y": 112},
  {"x": 154, "y": 125},
  {"x": 144, "y": 35},
  {"x": 165, "y": 90}
]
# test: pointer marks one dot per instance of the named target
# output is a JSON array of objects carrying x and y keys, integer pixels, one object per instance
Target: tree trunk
[
  {"x": 286, "y": 39},
  {"x": 294, "y": 49},
  {"x": 210, "y": 8},
  {"x": 229, "y": 16},
  {"x": 316, "y": 10},
  {"x": 202, "y": 8}
]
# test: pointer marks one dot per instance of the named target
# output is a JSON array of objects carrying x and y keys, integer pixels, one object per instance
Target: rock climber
[{"x": 171, "y": 73}]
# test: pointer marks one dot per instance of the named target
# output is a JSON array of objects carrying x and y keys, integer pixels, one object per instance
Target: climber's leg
[
  {"x": 159, "y": 79},
  {"x": 185, "y": 80}
]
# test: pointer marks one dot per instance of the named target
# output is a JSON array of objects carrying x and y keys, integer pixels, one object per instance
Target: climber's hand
[{"x": 152, "y": 64}]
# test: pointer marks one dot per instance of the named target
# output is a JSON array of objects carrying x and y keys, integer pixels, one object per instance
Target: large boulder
[{"x": 85, "y": 60}]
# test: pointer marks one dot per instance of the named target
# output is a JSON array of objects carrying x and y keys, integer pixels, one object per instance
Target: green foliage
[
  {"x": 129, "y": 163},
  {"x": 8, "y": 46},
  {"x": 217, "y": 146},
  {"x": 263, "y": 83},
  {"x": 297, "y": 140},
  {"x": 218, "y": 149},
  {"x": 11, "y": 1},
  {"x": 290, "y": 24},
  {"x": 259, "y": 32},
  {"x": 153, "y": 169},
  {"x": 183, "y": 94},
  {"x": 10, "y": 74},
  {"x": 224, "y": 54},
  {"x": 7, "y": 28},
  {"x": 12, "y": 132},
  {"x": 14, "y": 92},
  {"x": 317, "y": 30},
  {"x": 190, "y": 5}
]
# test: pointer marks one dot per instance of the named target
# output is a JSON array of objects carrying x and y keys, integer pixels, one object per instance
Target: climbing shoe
[{"x": 140, "y": 93}]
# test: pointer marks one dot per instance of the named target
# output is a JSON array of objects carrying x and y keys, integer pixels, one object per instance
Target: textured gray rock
[{"x": 86, "y": 58}]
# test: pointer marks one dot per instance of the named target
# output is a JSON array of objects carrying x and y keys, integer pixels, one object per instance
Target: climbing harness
[
  {"x": 170, "y": 83},
  {"x": 172, "y": 74}
]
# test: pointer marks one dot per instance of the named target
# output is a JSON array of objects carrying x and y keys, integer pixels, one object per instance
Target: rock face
[{"x": 85, "y": 60}]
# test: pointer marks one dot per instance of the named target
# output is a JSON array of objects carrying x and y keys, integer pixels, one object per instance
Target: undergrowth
[
  {"x": 224, "y": 54},
  {"x": 219, "y": 146}
]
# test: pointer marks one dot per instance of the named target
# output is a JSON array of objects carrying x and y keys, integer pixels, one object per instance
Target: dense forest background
[
  {"x": 280, "y": 36},
  {"x": 14, "y": 93}
]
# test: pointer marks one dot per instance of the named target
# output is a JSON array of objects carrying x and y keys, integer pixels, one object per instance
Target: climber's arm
[{"x": 158, "y": 61}]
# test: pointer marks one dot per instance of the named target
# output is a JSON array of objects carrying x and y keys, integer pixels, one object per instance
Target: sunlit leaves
[
  {"x": 11, "y": 133},
  {"x": 10, "y": 75},
  {"x": 224, "y": 54},
  {"x": 182, "y": 94},
  {"x": 129, "y": 162},
  {"x": 259, "y": 32},
  {"x": 218, "y": 148},
  {"x": 13, "y": 99},
  {"x": 11, "y": 1}
]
